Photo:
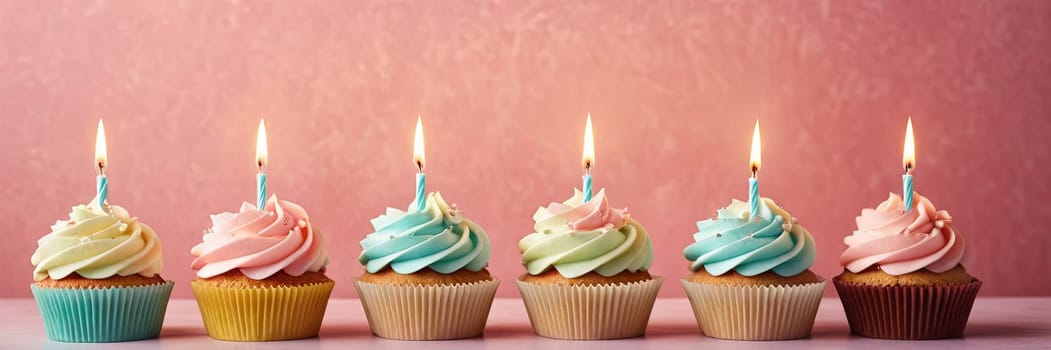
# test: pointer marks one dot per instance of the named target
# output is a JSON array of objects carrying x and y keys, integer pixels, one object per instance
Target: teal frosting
[
  {"x": 437, "y": 237},
  {"x": 766, "y": 243}
]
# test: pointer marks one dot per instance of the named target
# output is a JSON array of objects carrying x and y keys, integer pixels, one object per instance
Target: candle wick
[
  {"x": 102, "y": 168},
  {"x": 755, "y": 171},
  {"x": 587, "y": 168},
  {"x": 419, "y": 166},
  {"x": 908, "y": 168}
]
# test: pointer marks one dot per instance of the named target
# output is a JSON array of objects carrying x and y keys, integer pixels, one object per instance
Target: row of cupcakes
[{"x": 261, "y": 273}]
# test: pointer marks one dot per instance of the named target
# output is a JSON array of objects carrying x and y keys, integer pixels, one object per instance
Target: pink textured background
[{"x": 503, "y": 86}]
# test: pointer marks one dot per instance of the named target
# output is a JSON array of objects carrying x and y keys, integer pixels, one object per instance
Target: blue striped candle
[
  {"x": 101, "y": 190},
  {"x": 587, "y": 187},
  {"x": 421, "y": 191},
  {"x": 260, "y": 181},
  {"x": 906, "y": 193},
  {"x": 753, "y": 196}
]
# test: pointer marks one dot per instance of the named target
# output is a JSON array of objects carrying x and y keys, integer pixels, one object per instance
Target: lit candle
[
  {"x": 908, "y": 159},
  {"x": 753, "y": 181},
  {"x": 588, "y": 159},
  {"x": 260, "y": 161},
  {"x": 419, "y": 159},
  {"x": 101, "y": 182}
]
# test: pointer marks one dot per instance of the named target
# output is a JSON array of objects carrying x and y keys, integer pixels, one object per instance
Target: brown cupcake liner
[
  {"x": 772, "y": 312},
  {"x": 453, "y": 311},
  {"x": 592, "y": 312},
  {"x": 907, "y": 312}
]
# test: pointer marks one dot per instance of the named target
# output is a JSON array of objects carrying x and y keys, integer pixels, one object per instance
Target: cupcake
[
  {"x": 97, "y": 277},
  {"x": 751, "y": 277},
  {"x": 904, "y": 275},
  {"x": 425, "y": 275},
  {"x": 586, "y": 267},
  {"x": 261, "y": 274}
]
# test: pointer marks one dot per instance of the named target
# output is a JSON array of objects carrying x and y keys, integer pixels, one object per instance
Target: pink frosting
[
  {"x": 899, "y": 242},
  {"x": 261, "y": 243},
  {"x": 580, "y": 216}
]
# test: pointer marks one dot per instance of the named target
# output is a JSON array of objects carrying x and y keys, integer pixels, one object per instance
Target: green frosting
[{"x": 576, "y": 238}]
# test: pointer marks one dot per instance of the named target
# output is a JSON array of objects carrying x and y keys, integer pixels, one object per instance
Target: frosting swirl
[
  {"x": 899, "y": 242},
  {"x": 97, "y": 244},
  {"x": 438, "y": 237},
  {"x": 260, "y": 243},
  {"x": 576, "y": 238},
  {"x": 731, "y": 241}
]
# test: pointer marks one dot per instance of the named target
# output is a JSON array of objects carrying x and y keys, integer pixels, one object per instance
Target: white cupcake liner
[
  {"x": 453, "y": 311},
  {"x": 755, "y": 312},
  {"x": 609, "y": 311}
]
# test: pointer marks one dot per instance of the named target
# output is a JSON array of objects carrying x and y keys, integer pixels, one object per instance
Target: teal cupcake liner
[{"x": 103, "y": 315}]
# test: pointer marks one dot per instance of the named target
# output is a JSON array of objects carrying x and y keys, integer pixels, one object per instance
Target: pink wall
[{"x": 503, "y": 87}]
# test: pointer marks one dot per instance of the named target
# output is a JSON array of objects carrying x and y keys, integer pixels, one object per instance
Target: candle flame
[
  {"x": 588, "y": 159},
  {"x": 908, "y": 157},
  {"x": 100, "y": 148},
  {"x": 417, "y": 145},
  {"x": 756, "y": 159},
  {"x": 261, "y": 153}
]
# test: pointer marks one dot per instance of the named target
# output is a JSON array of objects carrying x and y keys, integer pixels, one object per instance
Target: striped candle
[
  {"x": 587, "y": 187},
  {"x": 101, "y": 190},
  {"x": 906, "y": 193},
  {"x": 260, "y": 192},
  {"x": 753, "y": 197},
  {"x": 421, "y": 191}
]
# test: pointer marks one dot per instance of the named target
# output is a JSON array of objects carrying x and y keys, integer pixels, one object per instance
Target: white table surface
[{"x": 995, "y": 323}]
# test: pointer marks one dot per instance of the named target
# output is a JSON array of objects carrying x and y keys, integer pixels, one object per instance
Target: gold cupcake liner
[
  {"x": 610, "y": 311},
  {"x": 755, "y": 312},
  {"x": 262, "y": 314},
  {"x": 453, "y": 311}
]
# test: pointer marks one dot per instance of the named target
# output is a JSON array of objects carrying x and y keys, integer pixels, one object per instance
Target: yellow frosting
[{"x": 97, "y": 244}]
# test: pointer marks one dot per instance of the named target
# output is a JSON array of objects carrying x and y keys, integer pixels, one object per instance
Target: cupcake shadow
[
  {"x": 183, "y": 332},
  {"x": 342, "y": 331},
  {"x": 999, "y": 330}
]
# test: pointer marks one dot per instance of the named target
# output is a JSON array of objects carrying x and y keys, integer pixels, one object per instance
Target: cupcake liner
[
  {"x": 263, "y": 313},
  {"x": 610, "y": 311},
  {"x": 453, "y": 311},
  {"x": 102, "y": 315},
  {"x": 776, "y": 312},
  {"x": 907, "y": 312}
]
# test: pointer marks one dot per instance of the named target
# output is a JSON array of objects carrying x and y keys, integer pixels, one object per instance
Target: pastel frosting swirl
[
  {"x": 767, "y": 242},
  {"x": 576, "y": 238},
  {"x": 900, "y": 242},
  {"x": 438, "y": 238},
  {"x": 97, "y": 244},
  {"x": 261, "y": 243}
]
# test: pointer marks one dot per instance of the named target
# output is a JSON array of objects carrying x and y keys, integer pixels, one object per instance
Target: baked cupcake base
[
  {"x": 427, "y": 305},
  {"x": 117, "y": 309},
  {"x": 911, "y": 308},
  {"x": 591, "y": 307},
  {"x": 764, "y": 307},
  {"x": 235, "y": 307}
]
